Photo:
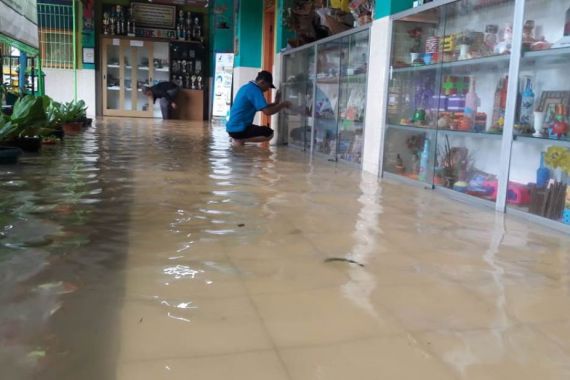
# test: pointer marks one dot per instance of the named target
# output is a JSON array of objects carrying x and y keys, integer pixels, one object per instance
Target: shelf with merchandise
[{"x": 483, "y": 63}]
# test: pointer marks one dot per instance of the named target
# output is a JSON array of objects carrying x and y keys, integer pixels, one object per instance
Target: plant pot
[
  {"x": 58, "y": 133},
  {"x": 9, "y": 154},
  {"x": 28, "y": 144},
  {"x": 72, "y": 128}
]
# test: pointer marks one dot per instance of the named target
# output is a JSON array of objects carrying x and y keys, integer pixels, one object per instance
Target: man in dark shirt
[{"x": 166, "y": 92}]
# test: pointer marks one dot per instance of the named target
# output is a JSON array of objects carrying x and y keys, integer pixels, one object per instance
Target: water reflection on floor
[{"x": 147, "y": 250}]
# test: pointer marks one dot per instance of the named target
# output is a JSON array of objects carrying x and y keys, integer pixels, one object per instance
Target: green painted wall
[
  {"x": 282, "y": 33},
  {"x": 248, "y": 32},
  {"x": 221, "y": 15},
  {"x": 389, "y": 7}
]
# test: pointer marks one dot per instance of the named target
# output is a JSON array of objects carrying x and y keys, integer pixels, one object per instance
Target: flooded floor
[{"x": 150, "y": 250}]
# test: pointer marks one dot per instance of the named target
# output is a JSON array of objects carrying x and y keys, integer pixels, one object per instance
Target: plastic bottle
[
  {"x": 424, "y": 161},
  {"x": 471, "y": 102},
  {"x": 527, "y": 105},
  {"x": 542, "y": 174}
]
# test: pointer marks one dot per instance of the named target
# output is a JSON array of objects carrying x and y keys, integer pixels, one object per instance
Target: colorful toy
[{"x": 566, "y": 216}]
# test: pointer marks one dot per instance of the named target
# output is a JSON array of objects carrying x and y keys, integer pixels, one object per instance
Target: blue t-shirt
[{"x": 248, "y": 101}]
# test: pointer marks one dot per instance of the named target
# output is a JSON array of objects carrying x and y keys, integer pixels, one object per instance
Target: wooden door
[{"x": 268, "y": 49}]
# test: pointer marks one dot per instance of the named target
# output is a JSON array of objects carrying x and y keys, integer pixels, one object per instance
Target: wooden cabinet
[{"x": 128, "y": 64}]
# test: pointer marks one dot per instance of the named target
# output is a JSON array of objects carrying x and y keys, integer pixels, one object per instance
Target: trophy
[
  {"x": 106, "y": 24},
  {"x": 120, "y": 28},
  {"x": 180, "y": 26},
  {"x": 184, "y": 63},
  {"x": 194, "y": 82},
  {"x": 196, "y": 30},
  {"x": 188, "y": 26},
  {"x": 131, "y": 23},
  {"x": 187, "y": 83},
  {"x": 199, "y": 82}
]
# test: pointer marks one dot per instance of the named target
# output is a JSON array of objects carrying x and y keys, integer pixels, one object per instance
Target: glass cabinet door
[
  {"x": 352, "y": 97},
  {"x": 297, "y": 87},
  {"x": 129, "y": 76},
  {"x": 540, "y": 158},
  {"x": 112, "y": 77},
  {"x": 414, "y": 100},
  {"x": 473, "y": 86},
  {"x": 141, "y": 67},
  {"x": 329, "y": 57},
  {"x": 159, "y": 72}
]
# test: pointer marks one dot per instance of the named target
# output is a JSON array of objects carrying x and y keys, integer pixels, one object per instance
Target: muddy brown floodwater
[{"x": 156, "y": 250}]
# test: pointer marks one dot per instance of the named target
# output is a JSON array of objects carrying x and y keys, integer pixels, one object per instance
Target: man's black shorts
[{"x": 252, "y": 131}]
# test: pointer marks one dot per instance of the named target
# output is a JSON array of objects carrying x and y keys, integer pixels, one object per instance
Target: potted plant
[
  {"x": 73, "y": 116},
  {"x": 27, "y": 124},
  {"x": 8, "y": 154}
]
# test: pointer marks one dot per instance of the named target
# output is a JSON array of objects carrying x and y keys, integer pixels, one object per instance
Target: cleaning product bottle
[
  {"x": 424, "y": 161},
  {"x": 527, "y": 105},
  {"x": 471, "y": 103},
  {"x": 542, "y": 174}
]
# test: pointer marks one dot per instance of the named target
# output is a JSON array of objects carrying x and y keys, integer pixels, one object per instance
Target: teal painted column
[
  {"x": 389, "y": 7},
  {"x": 282, "y": 33},
  {"x": 221, "y": 17},
  {"x": 248, "y": 32}
]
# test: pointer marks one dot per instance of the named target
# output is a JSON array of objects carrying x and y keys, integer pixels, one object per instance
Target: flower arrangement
[{"x": 558, "y": 157}]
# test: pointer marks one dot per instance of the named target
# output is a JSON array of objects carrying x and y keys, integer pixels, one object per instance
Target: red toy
[{"x": 517, "y": 194}]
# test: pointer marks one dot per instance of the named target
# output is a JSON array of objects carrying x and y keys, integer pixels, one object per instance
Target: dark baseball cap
[{"x": 265, "y": 76}]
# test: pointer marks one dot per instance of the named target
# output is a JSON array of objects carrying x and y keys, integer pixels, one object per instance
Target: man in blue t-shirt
[{"x": 248, "y": 101}]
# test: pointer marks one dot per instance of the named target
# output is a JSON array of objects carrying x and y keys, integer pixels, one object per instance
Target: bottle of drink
[
  {"x": 471, "y": 103},
  {"x": 527, "y": 105},
  {"x": 424, "y": 161},
  {"x": 497, "y": 103}
]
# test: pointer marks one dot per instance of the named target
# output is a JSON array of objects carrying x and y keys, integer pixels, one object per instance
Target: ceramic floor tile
[
  {"x": 176, "y": 278},
  {"x": 438, "y": 305},
  {"x": 288, "y": 275},
  {"x": 186, "y": 327},
  {"x": 261, "y": 365},
  {"x": 517, "y": 352},
  {"x": 398, "y": 358},
  {"x": 558, "y": 332},
  {"x": 323, "y": 316}
]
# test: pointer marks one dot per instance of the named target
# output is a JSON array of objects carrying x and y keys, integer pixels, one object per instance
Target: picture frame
[{"x": 548, "y": 102}]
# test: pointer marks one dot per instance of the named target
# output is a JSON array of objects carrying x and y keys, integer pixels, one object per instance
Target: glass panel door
[
  {"x": 113, "y": 76},
  {"x": 477, "y": 43},
  {"x": 159, "y": 72},
  {"x": 327, "y": 97},
  {"x": 414, "y": 99},
  {"x": 354, "y": 69},
  {"x": 141, "y": 72},
  {"x": 297, "y": 87},
  {"x": 540, "y": 159},
  {"x": 129, "y": 78}
]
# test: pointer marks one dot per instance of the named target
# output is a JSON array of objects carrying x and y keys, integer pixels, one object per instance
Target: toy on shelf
[
  {"x": 505, "y": 45},
  {"x": 491, "y": 38},
  {"x": 559, "y": 126}
]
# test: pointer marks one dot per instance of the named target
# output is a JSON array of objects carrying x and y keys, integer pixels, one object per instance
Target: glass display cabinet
[
  {"x": 540, "y": 155},
  {"x": 447, "y": 95},
  {"x": 128, "y": 65},
  {"x": 298, "y": 88},
  {"x": 478, "y": 103},
  {"x": 326, "y": 82}
]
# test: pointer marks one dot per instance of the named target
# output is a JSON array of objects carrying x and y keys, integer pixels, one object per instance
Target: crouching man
[{"x": 248, "y": 101}]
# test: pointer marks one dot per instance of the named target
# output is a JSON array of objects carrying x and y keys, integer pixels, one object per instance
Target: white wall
[
  {"x": 59, "y": 86},
  {"x": 376, "y": 95}
]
